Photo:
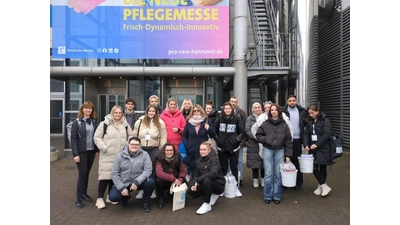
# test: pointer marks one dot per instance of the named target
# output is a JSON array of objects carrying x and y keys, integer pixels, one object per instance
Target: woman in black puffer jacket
[
  {"x": 316, "y": 141},
  {"x": 208, "y": 179}
]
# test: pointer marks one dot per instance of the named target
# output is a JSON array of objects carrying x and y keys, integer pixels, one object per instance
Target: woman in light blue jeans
[
  {"x": 274, "y": 134},
  {"x": 272, "y": 176}
]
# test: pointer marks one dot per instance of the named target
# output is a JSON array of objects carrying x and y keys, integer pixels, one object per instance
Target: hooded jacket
[
  {"x": 323, "y": 130},
  {"x": 158, "y": 136},
  {"x": 111, "y": 144},
  {"x": 230, "y": 132},
  {"x": 210, "y": 167},
  {"x": 78, "y": 137},
  {"x": 173, "y": 120},
  {"x": 128, "y": 169}
]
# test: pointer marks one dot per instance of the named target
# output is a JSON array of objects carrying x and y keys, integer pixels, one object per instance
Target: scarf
[{"x": 196, "y": 120}]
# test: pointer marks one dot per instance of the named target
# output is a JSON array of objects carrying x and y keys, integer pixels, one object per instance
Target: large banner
[{"x": 140, "y": 29}]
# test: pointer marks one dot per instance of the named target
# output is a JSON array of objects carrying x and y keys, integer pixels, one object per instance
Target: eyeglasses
[
  {"x": 196, "y": 110},
  {"x": 135, "y": 145}
]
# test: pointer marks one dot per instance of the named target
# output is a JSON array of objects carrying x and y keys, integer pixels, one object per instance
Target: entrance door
[
  {"x": 106, "y": 102},
  {"x": 56, "y": 116}
]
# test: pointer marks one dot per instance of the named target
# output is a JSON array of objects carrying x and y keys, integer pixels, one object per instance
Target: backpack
[
  {"x": 105, "y": 130},
  {"x": 69, "y": 128},
  {"x": 335, "y": 145}
]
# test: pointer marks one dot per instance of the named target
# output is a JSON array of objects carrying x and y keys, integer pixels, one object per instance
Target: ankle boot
[
  {"x": 160, "y": 203},
  {"x": 325, "y": 190}
]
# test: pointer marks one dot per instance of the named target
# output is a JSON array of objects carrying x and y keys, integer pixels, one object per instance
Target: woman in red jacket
[
  {"x": 169, "y": 169},
  {"x": 174, "y": 122}
]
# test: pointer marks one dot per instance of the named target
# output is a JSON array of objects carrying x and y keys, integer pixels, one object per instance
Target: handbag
[{"x": 179, "y": 198}]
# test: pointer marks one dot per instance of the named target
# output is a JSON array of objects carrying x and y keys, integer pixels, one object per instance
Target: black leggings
[
  {"x": 320, "y": 173},
  {"x": 233, "y": 159},
  {"x": 103, "y": 186}
]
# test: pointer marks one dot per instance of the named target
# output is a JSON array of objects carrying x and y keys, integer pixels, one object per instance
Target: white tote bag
[{"x": 179, "y": 198}]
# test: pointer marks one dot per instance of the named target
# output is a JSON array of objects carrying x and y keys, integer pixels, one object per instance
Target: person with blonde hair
[
  {"x": 83, "y": 148},
  {"x": 208, "y": 178},
  {"x": 156, "y": 101},
  {"x": 174, "y": 122},
  {"x": 186, "y": 107},
  {"x": 197, "y": 130},
  {"x": 110, "y": 137}
]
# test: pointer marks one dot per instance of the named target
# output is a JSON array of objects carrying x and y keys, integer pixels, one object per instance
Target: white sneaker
[
  {"x": 100, "y": 203},
  {"x": 325, "y": 190},
  {"x": 140, "y": 195},
  {"x": 213, "y": 198},
  {"x": 108, "y": 201},
  {"x": 204, "y": 208},
  {"x": 238, "y": 193},
  {"x": 318, "y": 191},
  {"x": 262, "y": 182},
  {"x": 187, "y": 177},
  {"x": 255, "y": 183},
  {"x": 153, "y": 195}
]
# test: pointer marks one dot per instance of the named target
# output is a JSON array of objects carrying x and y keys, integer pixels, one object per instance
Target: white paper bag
[{"x": 179, "y": 198}]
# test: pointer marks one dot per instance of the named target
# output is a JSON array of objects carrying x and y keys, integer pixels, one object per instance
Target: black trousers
[
  {"x": 233, "y": 159},
  {"x": 84, "y": 167},
  {"x": 296, "y": 153}
]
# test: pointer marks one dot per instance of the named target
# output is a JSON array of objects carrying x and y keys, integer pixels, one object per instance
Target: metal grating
[{"x": 334, "y": 70}]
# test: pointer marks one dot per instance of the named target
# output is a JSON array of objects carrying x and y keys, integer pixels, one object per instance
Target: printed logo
[{"x": 61, "y": 50}]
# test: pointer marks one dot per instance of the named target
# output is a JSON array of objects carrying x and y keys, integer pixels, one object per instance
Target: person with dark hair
[
  {"x": 129, "y": 112},
  {"x": 83, "y": 149},
  {"x": 131, "y": 171},
  {"x": 316, "y": 137},
  {"x": 208, "y": 178},
  {"x": 151, "y": 131},
  {"x": 230, "y": 132},
  {"x": 212, "y": 113},
  {"x": 296, "y": 115},
  {"x": 239, "y": 112},
  {"x": 274, "y": 134},
  {"x": 169, "y": 169}
]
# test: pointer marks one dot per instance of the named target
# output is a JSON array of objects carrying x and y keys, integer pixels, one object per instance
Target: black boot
[{"x": 160, "y": 203}]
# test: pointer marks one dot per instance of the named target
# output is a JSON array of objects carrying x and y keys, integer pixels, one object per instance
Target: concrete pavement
[{"x": 297, "y": 206}]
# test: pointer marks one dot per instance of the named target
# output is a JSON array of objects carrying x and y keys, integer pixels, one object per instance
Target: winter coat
[
  {"x": 185, "y": 113},
  {"x": 165, "y": 171},
  {"x": 111, "y": 144},
  {"x": 177, "y": 120},
  {"x": 323, "y": 131},
  {"x": 192, "y": 141},
  {"x": 210, "y": 167},
  {"x": 129, "y": 169},
  {"x": 230, "y": 132},
  {"x": 78, "y": 137},
  {"x": 254, "y": 159},
  {"x": 158, "y": 136},
  {"x": 274, "y": 135},
  {"x": 212, "y": 117},
  {"x": 239, "y": 112}
]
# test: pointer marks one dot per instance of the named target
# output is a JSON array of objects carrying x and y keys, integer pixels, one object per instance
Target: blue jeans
[
  {"x": 240, "y": 163},
  {"x": 272, "y": 177}
]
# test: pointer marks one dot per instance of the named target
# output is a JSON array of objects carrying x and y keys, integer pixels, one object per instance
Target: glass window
[
  {"x": 74, "y": 93},
  {"x": 56, "y": 85}
]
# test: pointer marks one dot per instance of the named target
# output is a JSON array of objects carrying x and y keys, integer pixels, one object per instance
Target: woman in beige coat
[{"x": 110, "y": 137}]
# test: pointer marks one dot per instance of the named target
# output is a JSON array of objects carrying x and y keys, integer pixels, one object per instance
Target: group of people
[{"x": 140, "y": 153}]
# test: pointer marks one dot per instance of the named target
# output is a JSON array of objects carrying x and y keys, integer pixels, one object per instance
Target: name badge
[
  {"x": 314, "y": 137},
  {"x": 147, "y": 136}
]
